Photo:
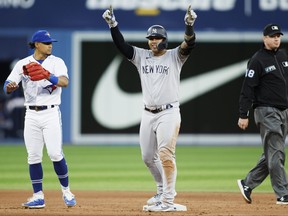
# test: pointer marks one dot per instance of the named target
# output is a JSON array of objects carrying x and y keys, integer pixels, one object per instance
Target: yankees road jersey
[
  {"x": 41, "y": 92},
  {"x": 159, "y": 75}
]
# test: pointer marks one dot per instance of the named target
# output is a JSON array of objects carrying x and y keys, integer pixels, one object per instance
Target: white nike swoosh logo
[{"x": 116, "y": 109}]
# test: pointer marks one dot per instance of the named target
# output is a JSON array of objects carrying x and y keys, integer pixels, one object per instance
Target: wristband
[
  {"x": 189, "y": 30},
  {"x": 4, "y": 87},
  {"x": 53, "y": 79}
]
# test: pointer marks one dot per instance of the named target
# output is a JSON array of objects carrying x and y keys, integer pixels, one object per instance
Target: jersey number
[{"x": 249, "y": 73}]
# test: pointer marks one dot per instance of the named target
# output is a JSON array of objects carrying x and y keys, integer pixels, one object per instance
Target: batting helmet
[{"x": 158, "y": 31}]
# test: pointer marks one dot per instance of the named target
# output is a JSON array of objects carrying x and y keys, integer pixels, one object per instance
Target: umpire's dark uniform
[{"x": 265, "y": 88}]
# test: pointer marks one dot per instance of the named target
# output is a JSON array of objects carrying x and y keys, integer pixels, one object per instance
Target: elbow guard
[{"x": 190, "y": 41}]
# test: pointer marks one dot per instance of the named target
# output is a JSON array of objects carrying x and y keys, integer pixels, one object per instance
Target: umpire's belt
[
  {"x": 40, "y": 108},
  {"x": 159, "y": 109}
]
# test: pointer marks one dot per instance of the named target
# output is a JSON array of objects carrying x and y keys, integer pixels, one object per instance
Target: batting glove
[
  {"x": 190, "y": 16},
  {"x": 109, "y": 17}
]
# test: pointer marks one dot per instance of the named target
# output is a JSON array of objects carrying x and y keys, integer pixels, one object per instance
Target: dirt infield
[{"x": 131, "y": 203}]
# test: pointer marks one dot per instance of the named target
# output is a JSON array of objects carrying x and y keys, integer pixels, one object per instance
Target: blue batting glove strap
[{"x": 53, "y": 79}]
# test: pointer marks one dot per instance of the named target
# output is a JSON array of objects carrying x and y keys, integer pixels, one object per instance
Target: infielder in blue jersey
[
  {"x": 42, "y": 75},
  {"x": 159, "y": 70}
]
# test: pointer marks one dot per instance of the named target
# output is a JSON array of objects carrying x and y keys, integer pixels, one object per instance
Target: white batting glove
[
  {"x": 109, "y": 17},
  {"x": 190, "y": 16}
]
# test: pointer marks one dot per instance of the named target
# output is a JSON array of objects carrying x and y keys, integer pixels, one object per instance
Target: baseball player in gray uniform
[
  {"x": 42, "y": 75},
  {"x": 159, "y": 70}
]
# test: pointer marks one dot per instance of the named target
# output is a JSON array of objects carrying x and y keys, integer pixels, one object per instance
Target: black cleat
[
  {"x": 282, "y": 200},
  {"x": 246, "y": 191}
]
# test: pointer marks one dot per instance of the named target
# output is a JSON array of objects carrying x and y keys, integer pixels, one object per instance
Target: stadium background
[{"x": 228, "y": 33}]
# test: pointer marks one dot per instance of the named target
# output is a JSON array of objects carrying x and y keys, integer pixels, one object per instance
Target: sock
[
  {"x": 36, "y": 176},
  {"x": 61, "y": 170}
]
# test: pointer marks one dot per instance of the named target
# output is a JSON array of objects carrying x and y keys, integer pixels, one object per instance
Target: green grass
[{"x": 121, "y": 168}]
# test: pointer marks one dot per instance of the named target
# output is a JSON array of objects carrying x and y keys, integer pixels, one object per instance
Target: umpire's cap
[
  {"x": 156, "y": 31},
  {"x": 272, "y": 29},
  {"x": 42, "y": 36}
]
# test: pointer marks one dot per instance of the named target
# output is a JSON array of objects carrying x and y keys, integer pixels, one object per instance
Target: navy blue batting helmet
[{"x": 158, "y": 31}]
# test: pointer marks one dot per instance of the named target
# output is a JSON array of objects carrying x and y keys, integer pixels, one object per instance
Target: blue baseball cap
[{"x": 42, "y": 36}]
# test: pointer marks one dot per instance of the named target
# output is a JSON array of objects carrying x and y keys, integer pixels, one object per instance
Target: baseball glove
[{"x": 35, "y": 71}]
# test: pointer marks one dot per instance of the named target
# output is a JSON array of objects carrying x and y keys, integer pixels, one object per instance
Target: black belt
[
  {"x": 157, "y": 110},
  {"x": 40, "y": 108}
]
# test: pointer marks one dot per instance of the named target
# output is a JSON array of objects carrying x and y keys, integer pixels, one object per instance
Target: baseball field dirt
[{"x": 131, "y": 203}]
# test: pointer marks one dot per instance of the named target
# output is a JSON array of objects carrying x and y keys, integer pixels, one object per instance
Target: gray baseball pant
[{"x": 273, "y": 125}]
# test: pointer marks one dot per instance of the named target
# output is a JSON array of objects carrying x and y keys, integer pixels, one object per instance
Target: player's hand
[
  {"x": 190, "y": 16},
  {"x": 243, "y": 123},
  {"x": 12, "y": 86},
  {"x": 109, "y": 17}
]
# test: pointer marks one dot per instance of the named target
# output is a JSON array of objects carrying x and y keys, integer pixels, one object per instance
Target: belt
[
  {"x": 159, "y": 109},
  {"x": 40, "y": 108}
]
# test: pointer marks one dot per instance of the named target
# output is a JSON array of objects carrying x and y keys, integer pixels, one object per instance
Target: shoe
[
  {"x": 153, "y": 200},
  {"x": 160, "y": 207},
  {"x": 69, "y": 198},
  {"x": 282, "y": 200},
  {"x": 35, "y": 202},
  {"x": 245, "y": 191}
]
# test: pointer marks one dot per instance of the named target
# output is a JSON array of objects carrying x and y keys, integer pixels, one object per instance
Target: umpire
[{"x": 265, "y": 89}]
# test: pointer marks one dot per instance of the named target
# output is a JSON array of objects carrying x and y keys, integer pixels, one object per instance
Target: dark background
[{"x": 214, "y": 112}]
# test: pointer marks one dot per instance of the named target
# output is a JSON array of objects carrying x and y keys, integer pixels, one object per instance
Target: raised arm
[
  {"x": 126, "y": 49},
  {"x": 189, "y": 37}
]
